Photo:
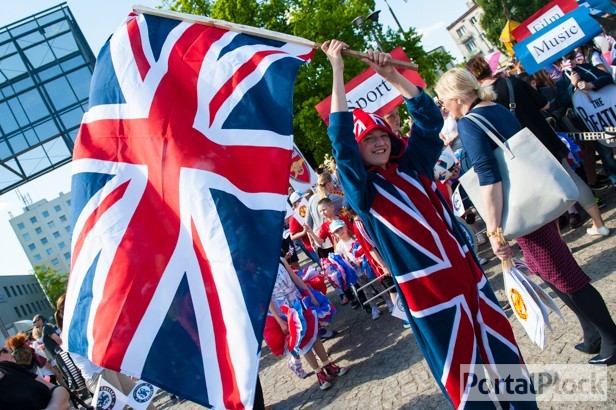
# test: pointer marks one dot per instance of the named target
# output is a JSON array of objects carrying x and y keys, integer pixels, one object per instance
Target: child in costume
[
  {"x": 453, "y": 312},
  {"x": 292, "y": 328}
]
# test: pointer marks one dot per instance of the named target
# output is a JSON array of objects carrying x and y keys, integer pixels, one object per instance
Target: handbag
[{"x": 536, "y": 187}]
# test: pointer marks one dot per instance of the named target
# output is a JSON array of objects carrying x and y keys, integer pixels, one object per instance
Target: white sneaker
[
  {"x": 481, "y": 238},
  {"x": 390, "y": 306},
  {"x": 375, "y": 313},
  {"x": 483, "y": 261},
  {"x": 603, "y": 231}
]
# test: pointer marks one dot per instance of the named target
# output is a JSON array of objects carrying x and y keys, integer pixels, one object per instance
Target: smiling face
[
  {"x": 375, "y": 148},
  {"x": 326, "y": 210}
]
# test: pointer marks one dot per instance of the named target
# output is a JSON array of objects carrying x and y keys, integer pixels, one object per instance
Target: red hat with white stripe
[{"x": 364, "y": 122}]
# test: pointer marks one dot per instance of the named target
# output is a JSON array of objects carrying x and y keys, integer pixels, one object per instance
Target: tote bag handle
[{"x": 479, "y": 120}]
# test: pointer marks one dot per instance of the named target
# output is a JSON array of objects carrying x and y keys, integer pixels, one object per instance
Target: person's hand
[
  {"x": 584, "y": 86},
  {"x": 333, "y": 51},
  {"x": 575, "y": 78},
  {"x": 284, "y": 328},
  {"x": 288, "y": 255},
  {"x": 379, "y": 61},
  {"x": 502, "y": 252}
]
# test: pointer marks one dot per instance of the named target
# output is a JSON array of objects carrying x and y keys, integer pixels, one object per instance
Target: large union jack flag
[{"x": 180, "y": 173}]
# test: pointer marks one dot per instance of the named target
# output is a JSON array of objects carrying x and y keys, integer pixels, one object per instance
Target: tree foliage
[
  {"x": 494, "y": 17},
  {"x": 52, "y": 281},
  {"x": 316, "y": 20}
]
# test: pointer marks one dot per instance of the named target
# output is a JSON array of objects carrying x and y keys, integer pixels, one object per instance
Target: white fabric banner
[
  {"x": 107, "y": 397},
  {"x": 142, "y": 394}
]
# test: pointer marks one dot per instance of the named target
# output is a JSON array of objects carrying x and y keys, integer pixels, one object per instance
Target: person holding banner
[
  {"x": 526, "y": 104},
  {"x": 545, "y": 252},
  {"x": 389, "y": 183}
]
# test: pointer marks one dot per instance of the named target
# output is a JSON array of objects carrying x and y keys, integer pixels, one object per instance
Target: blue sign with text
[{"x": 557, "y": 39}]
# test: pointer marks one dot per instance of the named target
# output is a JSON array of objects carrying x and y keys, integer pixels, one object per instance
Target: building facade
[
  {"x": 44, "y": 232},
  {"x": 468, "y": 35},
  {"x": 21, "y": 297}
]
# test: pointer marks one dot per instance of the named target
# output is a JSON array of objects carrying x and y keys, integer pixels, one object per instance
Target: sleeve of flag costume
[{"x": 424, "y": 146}]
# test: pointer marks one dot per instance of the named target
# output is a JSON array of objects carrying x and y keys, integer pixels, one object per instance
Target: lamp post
[{"x": 372, "y": 18}]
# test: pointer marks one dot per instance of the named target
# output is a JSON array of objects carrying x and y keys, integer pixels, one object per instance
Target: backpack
[{"x": 23, "y": 356}]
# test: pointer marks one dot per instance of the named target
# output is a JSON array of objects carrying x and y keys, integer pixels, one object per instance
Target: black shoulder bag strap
[{"x": 511, "y": 96}]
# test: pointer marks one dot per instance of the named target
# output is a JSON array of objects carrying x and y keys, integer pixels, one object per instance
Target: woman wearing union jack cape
[{"x": 455, "y": 316}]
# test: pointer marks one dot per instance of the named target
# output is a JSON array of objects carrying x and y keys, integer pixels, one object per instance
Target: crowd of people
[
  {"x": 380, "y": 206},
  {"x": 378, "y": 227}
]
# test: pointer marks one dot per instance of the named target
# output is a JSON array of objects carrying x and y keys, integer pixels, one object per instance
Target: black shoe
[
  {"x": 592, "y": 348},
  {"x": 355, "y": 304},
  {"x": 575, "y": 220},
  {"x": 599, "y": 185},
  {"x": 609, "y": 361}
]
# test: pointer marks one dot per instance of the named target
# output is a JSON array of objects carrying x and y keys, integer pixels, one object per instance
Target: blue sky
[{"x": 98, "y": 19}]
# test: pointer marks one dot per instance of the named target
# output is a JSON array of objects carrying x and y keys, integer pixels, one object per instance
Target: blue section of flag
[
  {"x": 256, "y": 270},
  {"x": 269, "y": 104},
  {"x": 557, "y": 39},
  {"x": 158, "y": 30},
  {"x": 599, "y": 7},
  {"x": 83, "y": 186},
  {"x": 174, "y": 354},
  {"x": 243, "y": 40},
  {"x": 441, "y": 325},
  {"x": 77, "y": 332},
  {"x": 105, "y": 87}
]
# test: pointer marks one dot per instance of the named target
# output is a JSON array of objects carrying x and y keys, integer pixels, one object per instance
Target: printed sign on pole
[
  {"x": 370, "y": 92},
  {"x": 301, "y": 177},
  {"x": 107, "y": 397},
  {"x": 142, "y": 394},
  {"x": 301, "y": 212},
  {"x": 556, "y": 39},
  {"x": 543, "y": 17}
]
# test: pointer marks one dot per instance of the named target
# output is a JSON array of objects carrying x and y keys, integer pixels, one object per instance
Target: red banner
[
  {"x": 370, "y": 92},
  {"x": 543, "y": 17}
]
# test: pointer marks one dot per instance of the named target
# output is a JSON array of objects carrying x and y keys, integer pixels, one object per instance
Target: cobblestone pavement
[{"x": 386, "y": 368}]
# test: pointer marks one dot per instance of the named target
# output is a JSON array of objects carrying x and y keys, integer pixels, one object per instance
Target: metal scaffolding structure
[{"x": 45, "y": 71}]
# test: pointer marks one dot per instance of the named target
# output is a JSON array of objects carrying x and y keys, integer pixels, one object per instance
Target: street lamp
[{"x": 372, "y": 18}]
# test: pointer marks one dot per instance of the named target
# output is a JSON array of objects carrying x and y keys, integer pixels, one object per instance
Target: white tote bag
[{"x": 536, "y": 188}]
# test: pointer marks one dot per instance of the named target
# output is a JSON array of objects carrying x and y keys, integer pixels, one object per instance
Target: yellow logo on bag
[{"x": 518, "y": 304}]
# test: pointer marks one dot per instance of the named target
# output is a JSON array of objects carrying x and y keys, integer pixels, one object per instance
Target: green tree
[
  {"x": 52, "y": 282},
  {"x": 494, "y": 15},
  {"x": 316, "y": 20}
]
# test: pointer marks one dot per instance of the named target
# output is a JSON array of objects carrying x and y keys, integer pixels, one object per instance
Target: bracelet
[{"x": 497, "y": 232}]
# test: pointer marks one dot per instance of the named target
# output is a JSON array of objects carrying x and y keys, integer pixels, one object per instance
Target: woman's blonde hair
[
  {"x": 37, "y": 333},
  {"x": 460, "y": 83},
  {"x": 323, "y": 179}
]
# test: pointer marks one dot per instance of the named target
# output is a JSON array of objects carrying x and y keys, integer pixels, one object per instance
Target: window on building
[
  {"x": 33, "y": 220},
  {"x": 23, "y": 309},
  {"x": 48, "y": 251},
  {"x": 57, "y": 208},
  {"x": 29, "y": 308},
  {"x": 44, "y": 240},
  {"x": 32, "y": 246},
  {"x": 13, "y": 289},
  {"x": 21, "y": 225},
  {"x": 67, "y": 229},
  {"x": 38, "y": 305},
  {"x": 38, "y": 231},
  {"x": 68, "y": 202},
  {"x": 6, "y": 290},
  {"x": 17, "y": 311},
  {"x": 19, "y": 290},
  {"x": 473, "y": 20},
  {"x": 25, "y": 288},
  {"x": 27, "y": 237},
  {"x": 51, "y": 224},
  {"x": 461, "y": 31},
  {"x": 55, "y": 262},
  {"x": 63, "y": 218},
  {"x": 46, "y": 214},
  {"x": 37, "y": 257},
  {"x": 470, "y": 45},
  {"x": 62, "y": 245},
  {"x": 56, "y": 234},
  {"x": 67, "y": 255}
]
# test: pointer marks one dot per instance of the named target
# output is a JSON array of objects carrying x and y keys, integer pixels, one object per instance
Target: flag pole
[{"x": 254, "y": 31}]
